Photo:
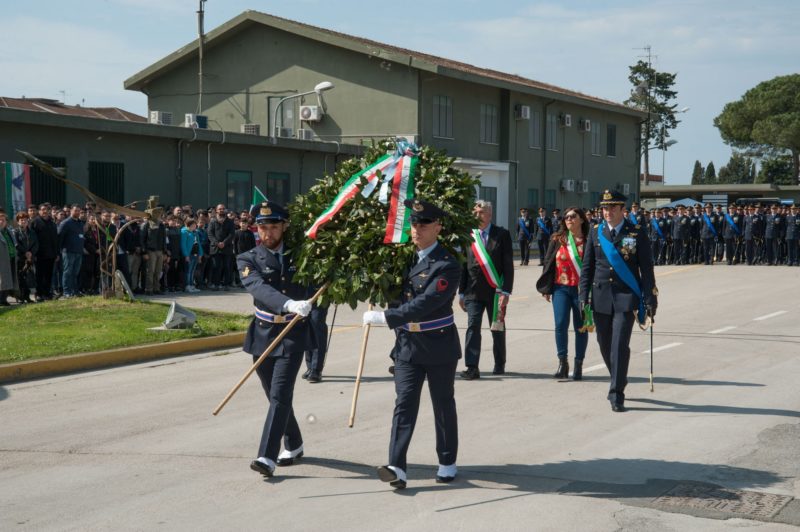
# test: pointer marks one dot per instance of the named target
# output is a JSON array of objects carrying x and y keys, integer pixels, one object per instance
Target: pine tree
[{"x": 697, "y": 174}]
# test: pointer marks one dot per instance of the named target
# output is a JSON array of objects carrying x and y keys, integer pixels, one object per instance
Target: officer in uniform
[
  {"x": 709, "y": 230},
  {"x": 659, "y": 242},
  {"x": 731, "y": 232},
  {"x": 680, "y": 237},
  {"x": 614, "y": 303},
  {"x": 750, "y": 221},
  {"x": 426, "y": 346},
  {"x": 266, "y": 272},
  {"x": 771, "y": 233},
  {"x": 792, "y": 236},
  {"x": 720, "y": 253},
  {"x": 543, "y": 228},
  {"x": 524, "y": 236},
  {"x": 636, "y": 216}
]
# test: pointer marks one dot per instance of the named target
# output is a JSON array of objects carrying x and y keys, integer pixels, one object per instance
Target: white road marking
[
  {"x": 724, "y": 329},
  {"x": 594, "y": 368},
  {"x": 768, "y": 316},
  {"x": 663, "y": 347}
]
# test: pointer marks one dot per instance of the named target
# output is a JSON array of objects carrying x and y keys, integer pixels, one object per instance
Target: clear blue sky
[{"x": 719, "y": 49}]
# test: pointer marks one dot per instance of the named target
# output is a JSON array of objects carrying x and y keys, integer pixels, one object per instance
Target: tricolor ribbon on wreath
[
  {"x": 577, "y": 263},
  {"x": 494, "y": 279},
  {"x": 397, "y": 171}
]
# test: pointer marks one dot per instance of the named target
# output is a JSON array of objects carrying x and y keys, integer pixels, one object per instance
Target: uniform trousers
[
  {"x": 749, "y": 250},
  {"x": 709, "y": 247},
  {"x": 315, "y": 357},
  {"x": 731, "y": 250},
  {"x": 771, "y": 244},
  {"x": 791, "y": 249},
  {"x": 278, "y": 375},
  {"x": 543, "y": 243},
  {"x": 408, "y": 381},
  {"x": 614, "y": 337},
  {"x": 472, "y": 347},
  {"x": 679, "y": 251},
  {"x": 524, "y": 250},
  {"x": 656, "y": 246}
]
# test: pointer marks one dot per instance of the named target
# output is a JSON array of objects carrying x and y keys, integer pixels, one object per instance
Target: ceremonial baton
[
  {"x": 364, "y": 340},
  {"x": 266, "y": 352},
  {"x": 652, "y": 322}
]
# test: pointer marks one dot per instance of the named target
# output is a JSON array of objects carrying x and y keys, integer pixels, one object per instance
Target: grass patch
[{"x": 82, "y": 325}]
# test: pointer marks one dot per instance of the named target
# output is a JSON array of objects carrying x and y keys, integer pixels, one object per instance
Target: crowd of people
[
  {"x": 753, "y": 234},
  {"x": 52, "y": 251}
]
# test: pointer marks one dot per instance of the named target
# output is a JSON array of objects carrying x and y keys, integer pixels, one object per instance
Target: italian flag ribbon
[
  {"x": 489, "y": 272},
  {"x": 577, "y": 262},
  {"x": 398, "y": 171}
]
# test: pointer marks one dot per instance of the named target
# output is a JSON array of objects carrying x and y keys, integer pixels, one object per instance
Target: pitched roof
[
  {"x": 45, "y": 105},
  {"x": 419, "y": 60}
]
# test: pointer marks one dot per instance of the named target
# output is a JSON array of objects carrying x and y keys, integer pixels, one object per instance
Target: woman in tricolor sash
[{"x": 558, "y": 284}]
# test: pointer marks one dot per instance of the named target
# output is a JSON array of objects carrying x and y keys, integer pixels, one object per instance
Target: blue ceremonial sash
[
  {"x": 524, "y": 228},
  {"x": 621, "y": 270},
  {"x": 544, "y": 227},
  {"x": 633, "y": 219},
  {"x": 658, "y": 228},
  {"x": 730, "y": 221},
  {"x": 709, "y": 224}
]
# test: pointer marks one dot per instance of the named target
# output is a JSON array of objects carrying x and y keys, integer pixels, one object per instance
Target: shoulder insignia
[
  {"x": 246, "y": 271},
  {"x": 596, "y": 226},
  {"x": 638, "y": 226}
]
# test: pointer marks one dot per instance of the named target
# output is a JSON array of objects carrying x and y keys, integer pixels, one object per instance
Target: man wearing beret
[
  {"x": 618, "y": 276},
  {"x": 266, "y": 272},
  {"x": 426, "y": 346}
]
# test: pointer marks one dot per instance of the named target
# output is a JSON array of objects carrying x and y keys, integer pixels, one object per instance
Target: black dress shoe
[
  {"x": 387, "y": 475},
  {"x": 283, "y": 462},
  {"x": 306, "y": 374},
  {"x": 499, "y": 370},
  {"x": 471, "y": 373},
  {"x": 618, "y": 407},
  {"x": 391, "y": 369},
  {"x": 260, "y": 467},
  {"x": 314, "y": 377},
  {"x": 444, "y": 480}
]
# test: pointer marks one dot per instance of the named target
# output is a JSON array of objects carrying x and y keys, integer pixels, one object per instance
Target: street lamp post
[{"x": 319, "y": 88}]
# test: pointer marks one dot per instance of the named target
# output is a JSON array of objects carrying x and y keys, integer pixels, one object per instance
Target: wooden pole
[
  {"x": 364, "y": 340},
  {"x": 266, "y": 352}
]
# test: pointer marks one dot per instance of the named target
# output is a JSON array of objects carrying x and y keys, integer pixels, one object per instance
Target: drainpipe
[{"x": 544, "y": 154}]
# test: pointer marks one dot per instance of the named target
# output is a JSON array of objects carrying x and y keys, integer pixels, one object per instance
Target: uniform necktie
[{"x": 613, "y": 234}]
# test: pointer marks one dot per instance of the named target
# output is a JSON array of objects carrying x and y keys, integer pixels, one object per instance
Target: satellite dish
[{"x": 179, "y": 317}]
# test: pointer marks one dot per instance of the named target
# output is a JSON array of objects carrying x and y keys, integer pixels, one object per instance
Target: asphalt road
[{"x": 715, "y": 446}]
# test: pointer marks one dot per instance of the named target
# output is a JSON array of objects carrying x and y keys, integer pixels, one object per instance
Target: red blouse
[{"x": 565, "y": 271}]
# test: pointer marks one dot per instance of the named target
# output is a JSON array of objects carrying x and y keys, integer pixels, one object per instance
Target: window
[
  {"x": 240, "y": 190},
  {"x": 490, "y": 194},
  {"x": 488, "y": 123},
  {"x": 535, "y": 130},
  {"x": 552, "y": 131},
  {"x": 550, "y": 199},
  {"x": 278, "y": 187},
  {"x": 107, "y": 180},
  {"x": 611, "y": 140},
  {"x": 596, "y": 138},
  {"x": 533, "y": 200},
  {"x": 443, "y": 117},
  {"x": 46, "y": 188}
]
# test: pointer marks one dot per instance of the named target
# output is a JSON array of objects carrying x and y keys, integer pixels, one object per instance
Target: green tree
[
  {"x": 698, "y": 174},
  {"x": 766, "y": 120},
  {"x": 710, "y": 176},
  {"x": 738, "y": 171},
  {"x": 653, "y": 93},
  {"x": 777, "y": 170}
]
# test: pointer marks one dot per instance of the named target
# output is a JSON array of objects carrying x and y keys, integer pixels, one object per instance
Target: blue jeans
[
  {"x": 565, "y": 302},
  {"x": 71, "y": 264},
  {"x": 191, "y": 266}
]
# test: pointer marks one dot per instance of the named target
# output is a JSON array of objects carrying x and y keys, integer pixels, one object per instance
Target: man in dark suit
[
  {"x": 266, "y": 272},
  {"x": 426, "y": 346},
  {"x": 543, "y": 229},
  {"x": 221, "y": 233},
  {"x": 477, "y": 292},
  {"x": 618, "y": 275}
]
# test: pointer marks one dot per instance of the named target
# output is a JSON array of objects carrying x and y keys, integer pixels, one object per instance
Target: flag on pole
[
  {"x": 258, "y": 196},
  {"x": 18, "y": 186}
]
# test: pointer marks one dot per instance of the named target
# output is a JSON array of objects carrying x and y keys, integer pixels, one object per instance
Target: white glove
[
  {"x": 374, "y": 317},
  {"x": 299, "y": 307}
]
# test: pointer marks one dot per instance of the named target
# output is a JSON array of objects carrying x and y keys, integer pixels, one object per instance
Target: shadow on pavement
[
  {"x": 3, "y": 393},
  {"x": 711, "y": 409}
]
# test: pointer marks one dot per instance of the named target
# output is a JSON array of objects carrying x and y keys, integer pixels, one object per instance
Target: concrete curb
[{"x": 32, "y": 369}]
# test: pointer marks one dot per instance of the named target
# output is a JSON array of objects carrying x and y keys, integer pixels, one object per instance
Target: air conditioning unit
[
  {"x": 568, "y": 185},
  {"x": 284, "y": 132},
  {"x": 196, "y": 121},
  {"x": 522, "y": 112},
  {"x": 161, "y": 117},
  {"x": 585, "y": 125},
  {"x": 585, "y": 186},
  {"x": 311, "y": 113},
  {"x": 305, "y": 134},
  {"x": 250, "y": 129},
  {"x": 626, "y": 188},
  {"x": 566, "y": 120}
]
